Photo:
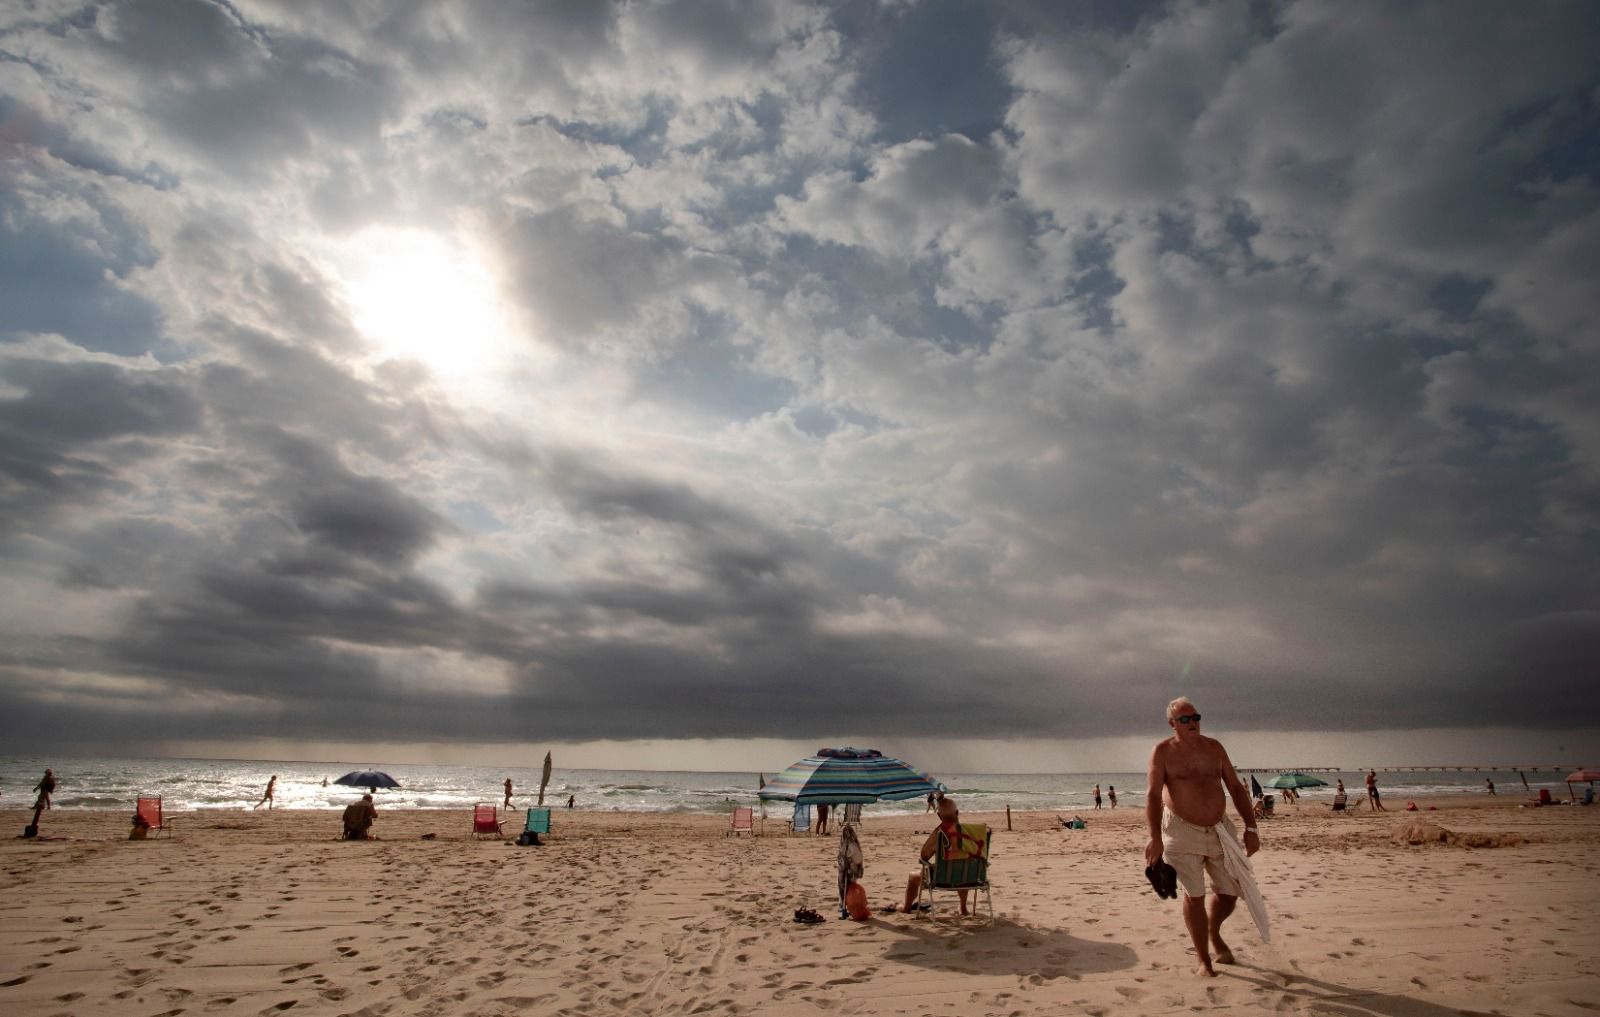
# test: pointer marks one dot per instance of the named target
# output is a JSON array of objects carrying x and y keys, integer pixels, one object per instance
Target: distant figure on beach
[
  {"x": 1490, "y": 784},
  {"x": 508, "y": 793},
  {"x": 1111, "y": 793},
  {"x": 950, "y": 826},
  {"x": 1191, "y": 780},
  {"x": 46, "y": 787},
  {"x": 266, "y": 797},
  {"x": 1372, "y": 791},
  {"x": 358, "y": 819},
  {"x": 1097, "y": 796},
  {"x": 324, "y": 781},
  {"x": 571, "y": 800},
  {"x": 1340, "y": 788},
  {"x": 822, "y": 819},
  {"x": 930, "y": 802}
]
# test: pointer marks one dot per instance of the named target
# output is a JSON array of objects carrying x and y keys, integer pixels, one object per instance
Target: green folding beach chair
[
  {"x": 968, "y": 871},
  {"x": 538, "y": 822}
]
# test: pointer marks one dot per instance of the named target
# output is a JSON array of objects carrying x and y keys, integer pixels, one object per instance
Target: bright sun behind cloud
[{"x": 421, "y": 296}]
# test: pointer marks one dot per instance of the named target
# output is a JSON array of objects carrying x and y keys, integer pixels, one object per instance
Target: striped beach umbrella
[{"x": 843, "y": 776}]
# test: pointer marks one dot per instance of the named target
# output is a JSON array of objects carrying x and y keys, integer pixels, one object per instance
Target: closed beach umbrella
[
  {"x": 372, "y": 779},
  {"x": 544, "y": 779},
  {"x": 842, "y": 776},
  {"x": 1296, "y": 780},
  {"x": 1255, "y": 787}
]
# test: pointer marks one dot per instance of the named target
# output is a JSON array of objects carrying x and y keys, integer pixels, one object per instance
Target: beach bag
[{"x": 855, "y": 902}]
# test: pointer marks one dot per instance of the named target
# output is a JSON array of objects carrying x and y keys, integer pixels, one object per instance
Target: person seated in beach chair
[
  {"x": 1341, "y": 801},
  {"x": 1588, "y": 796},
  {"x": 1264, "y": 807},
  {"x": 358, "y": 819},
  {"x": 1544, "y": 797},
  {"x": 148, "y": 821},
  {"x": 950, "y": 847}
]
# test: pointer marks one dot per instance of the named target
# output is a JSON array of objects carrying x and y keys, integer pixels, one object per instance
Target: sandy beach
[{"x": 266, "y": 913}]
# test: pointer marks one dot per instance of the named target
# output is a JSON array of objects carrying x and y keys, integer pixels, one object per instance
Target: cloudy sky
[{"x": 684, "y": 383}]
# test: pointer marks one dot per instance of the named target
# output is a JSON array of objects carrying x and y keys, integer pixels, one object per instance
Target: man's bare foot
[
  {"x": 1223, "y": 954},
  {"x": 1203, "y": 970}
]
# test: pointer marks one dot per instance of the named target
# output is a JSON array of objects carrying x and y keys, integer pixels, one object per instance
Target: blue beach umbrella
[
  {"x": 844, "y": 776},
  {"x": 373, "y": 779}
]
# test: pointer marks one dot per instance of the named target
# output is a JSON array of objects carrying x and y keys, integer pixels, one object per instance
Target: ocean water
[{"x": 185, "y": 784}]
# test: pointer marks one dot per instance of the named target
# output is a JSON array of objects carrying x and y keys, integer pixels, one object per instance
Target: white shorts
[{"x": 1195, "y": 851}]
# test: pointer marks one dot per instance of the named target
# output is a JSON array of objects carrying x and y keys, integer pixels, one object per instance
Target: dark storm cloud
[
  {"x": 982, "y": 370},
  {"x": 70, "y": 429}
]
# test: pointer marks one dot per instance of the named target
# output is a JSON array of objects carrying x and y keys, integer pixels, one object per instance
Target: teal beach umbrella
[
  {"x": 1296, "y": 780},
  {"x": 843, "y": 776}
]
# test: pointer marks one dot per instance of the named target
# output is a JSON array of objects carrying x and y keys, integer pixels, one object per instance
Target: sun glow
[{"x": 420, "y": 296}]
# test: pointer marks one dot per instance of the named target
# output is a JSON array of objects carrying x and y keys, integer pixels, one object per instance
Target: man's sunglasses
[{"x": 1187, "y": 718}]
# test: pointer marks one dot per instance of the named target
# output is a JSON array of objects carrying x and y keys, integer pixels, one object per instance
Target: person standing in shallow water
[
  {"x": 1111, "y": 793},
  {"x": 1097, "y": 796},
  {"x": 1191, "y": 780}
]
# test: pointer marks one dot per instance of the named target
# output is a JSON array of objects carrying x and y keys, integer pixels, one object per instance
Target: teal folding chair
[
  {"x": 538, "y": 822},
  {"x": 969, "y": 873}
]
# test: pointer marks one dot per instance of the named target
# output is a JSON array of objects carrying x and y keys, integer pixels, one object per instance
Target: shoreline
[{"x": 1132, "y": 802}]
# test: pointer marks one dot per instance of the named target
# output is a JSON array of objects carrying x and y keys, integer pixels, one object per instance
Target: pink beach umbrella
[{"x": 1579, "y": 776}]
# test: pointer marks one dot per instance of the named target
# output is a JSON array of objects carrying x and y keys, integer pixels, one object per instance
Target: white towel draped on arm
[{"x": 1237, "y": 862}]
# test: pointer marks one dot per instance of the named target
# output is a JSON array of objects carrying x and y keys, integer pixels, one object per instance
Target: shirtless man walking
[{"x": 1188, "y": 773}]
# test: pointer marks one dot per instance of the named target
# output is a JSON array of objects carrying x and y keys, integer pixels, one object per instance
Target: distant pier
[{"x": 1407, "y": 769}]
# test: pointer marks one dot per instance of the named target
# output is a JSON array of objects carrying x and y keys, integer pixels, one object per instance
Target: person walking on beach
[
  {"x": 1489, "y": 781},
  {"x": 1097, "y": 796},
  {"x": 508, "y": 793},
  {"x": 572, "y": 800},
  {"x": 266, "y": 797},
  {"x": 1191, "y": 780},
  {"x": 46, "y": 787},
  {"x": 1111, "y": 793},
  {"x": 1372, "y": 791}
]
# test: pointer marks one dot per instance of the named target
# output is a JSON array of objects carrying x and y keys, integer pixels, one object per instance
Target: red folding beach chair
[
  {"x": 149, "y": 810},
  {"x": 742, "y": 821},
  {"x": 485, "y": 821}
]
